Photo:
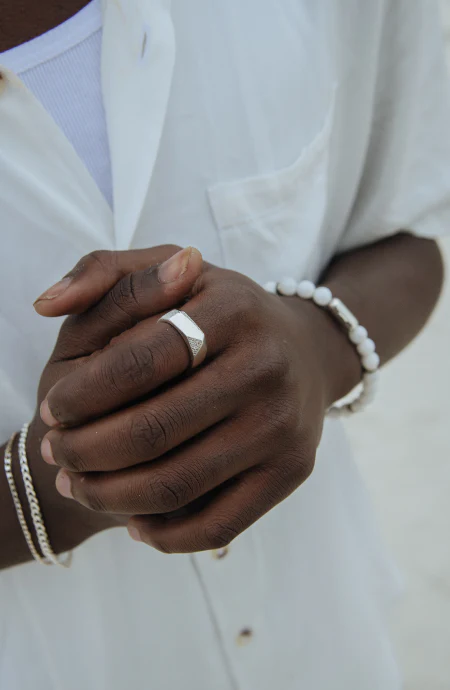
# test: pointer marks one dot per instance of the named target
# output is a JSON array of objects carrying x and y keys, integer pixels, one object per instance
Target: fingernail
[
  {"x": 134, "y": 533},
  {"x": 46, "y": 452},
  {"x": 63, "y": 484},
  {"x": 173, "y": 268},
  {"x": 46, "y": 415},
  {"x": 56, "y": 290}
]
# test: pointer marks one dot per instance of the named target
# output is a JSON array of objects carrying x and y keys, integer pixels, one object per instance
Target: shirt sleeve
[{"x": 405, "y": 183}]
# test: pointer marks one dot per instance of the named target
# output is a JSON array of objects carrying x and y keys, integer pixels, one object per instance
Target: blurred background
[{"x": 403, "y": 447}]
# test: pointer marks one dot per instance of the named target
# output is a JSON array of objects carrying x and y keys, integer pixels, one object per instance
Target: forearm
[{"x": 392, "y": 287}]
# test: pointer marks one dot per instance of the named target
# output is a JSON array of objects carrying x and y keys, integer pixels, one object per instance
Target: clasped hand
[{"x": 191, "y": 458}]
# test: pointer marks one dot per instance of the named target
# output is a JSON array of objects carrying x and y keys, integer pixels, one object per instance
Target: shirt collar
[{"x": 137, "y": 67}]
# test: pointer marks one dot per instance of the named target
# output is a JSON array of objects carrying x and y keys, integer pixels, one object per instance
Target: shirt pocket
[{"x": 270, "y": 224}]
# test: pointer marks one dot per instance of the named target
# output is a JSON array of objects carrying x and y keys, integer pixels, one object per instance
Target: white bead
[
  {"x": 322, "y": 296},
  {"x": 371, "y": 362},
  {"x": 358, "y": 334},
  {"x": 287, "y": 287},
  {"x": 338, "y": 411},
  {"x": 271, "y": 287},
  {"x": 366, "y": 347},
  {"x": 371, "y": 378},
  {"x": 370, "y": 384},
  {"x": 369, "y": 396},
  {"x": 306, "y": 289},
  {"x": 369, "y": 390},
  {"x": 358, "y": 405}
]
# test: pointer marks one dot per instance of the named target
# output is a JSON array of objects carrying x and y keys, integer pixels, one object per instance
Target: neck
[{"x": 22, "y": 20}]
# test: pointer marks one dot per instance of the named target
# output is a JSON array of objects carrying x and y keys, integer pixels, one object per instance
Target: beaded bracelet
[{"x": 357, "y": 334}]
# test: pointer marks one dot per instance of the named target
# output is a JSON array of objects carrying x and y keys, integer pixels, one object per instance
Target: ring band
[{"x": 192, "y": 335}]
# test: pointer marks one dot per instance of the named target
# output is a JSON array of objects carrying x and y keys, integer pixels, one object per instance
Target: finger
[
  {"x": 177, "y": 479},
  {"x": 150, "y": 429},
  {"x": 229, "y": 513},
  {"x": 94, "y": 275},
  {"x": 149, "y": 356},
  {"x": 135, "y": 297}
]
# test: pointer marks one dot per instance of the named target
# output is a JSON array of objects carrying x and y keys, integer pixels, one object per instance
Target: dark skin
[
  {"x": 139, "y": 437},
  {"x": 22, "y": 20},
  {"x": 241, "y": 432}
]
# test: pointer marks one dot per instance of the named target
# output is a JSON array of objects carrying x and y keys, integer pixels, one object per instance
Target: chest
[{"x": 22, "y": 20}]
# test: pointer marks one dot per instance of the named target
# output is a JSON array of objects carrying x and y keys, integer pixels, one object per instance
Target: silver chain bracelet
[
  {"x": 48, "y": 556},
  {"x": 17, "y": 503},
  {"x": 35, "y": 508}
]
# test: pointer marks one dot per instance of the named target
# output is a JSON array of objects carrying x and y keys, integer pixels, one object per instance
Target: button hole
[
  {"x": 145, "y": 42},
  {"x": 144, "y": 45},
  {"x": 244, "y": 636}
]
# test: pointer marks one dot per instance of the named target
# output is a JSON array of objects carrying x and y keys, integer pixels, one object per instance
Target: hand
[
  {"x": 212, "y": 449},
  {"x": 69, "y": 523}
]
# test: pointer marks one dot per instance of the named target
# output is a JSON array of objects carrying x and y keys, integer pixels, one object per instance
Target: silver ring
[{"x": 192, "y": 335}]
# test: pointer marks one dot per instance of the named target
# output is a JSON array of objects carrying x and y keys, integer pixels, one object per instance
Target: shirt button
[
  {"x": 218, "y": 554},
  {"x": 244, "y": 637}
]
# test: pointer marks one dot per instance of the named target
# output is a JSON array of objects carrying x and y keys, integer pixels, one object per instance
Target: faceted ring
[{"x": 192, "y": 335}]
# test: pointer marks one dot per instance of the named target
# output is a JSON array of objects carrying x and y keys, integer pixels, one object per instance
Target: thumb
[
  {"x": 95, "y": 275},
  {"x": 135, "y": 297}
]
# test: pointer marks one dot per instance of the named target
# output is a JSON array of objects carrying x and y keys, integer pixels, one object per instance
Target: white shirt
[{"x": 271, "y": 135}]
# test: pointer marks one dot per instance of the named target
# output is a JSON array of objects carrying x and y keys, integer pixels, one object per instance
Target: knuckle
[
  {"x": 125, "y": 295},
  {"x": 247, "y": 310},
  {"x": 93, "y": 499},
  {"x": 306, "y": 459},
  {"x": 281, "y": 418},
  {"x": 100, "y": 257},
  {"x": 239, "y": 302},
  {"x": 221, "y": 532},
  {"x": 274, "y": 365},
  {"x": 172, "y": 491},
  {"x": 249, "y": 297},
  {"x": 291, "y": 465},
  {"x": 308, "y": 464},
  {"x": 148, "y": 433},
  {"x": 68, "y": 456},
  {"x": 286, "y": 417},
  {"x": 132, "y": 366},
  {"x": 300, "y": 460}
]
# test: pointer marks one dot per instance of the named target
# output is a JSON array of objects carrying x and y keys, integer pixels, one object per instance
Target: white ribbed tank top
[{"x": 62, "y": 69}]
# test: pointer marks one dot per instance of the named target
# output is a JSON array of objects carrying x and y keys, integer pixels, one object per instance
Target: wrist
[
  {"x": 338, "y": 360},
  {"x": 68, "y": 524}
]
